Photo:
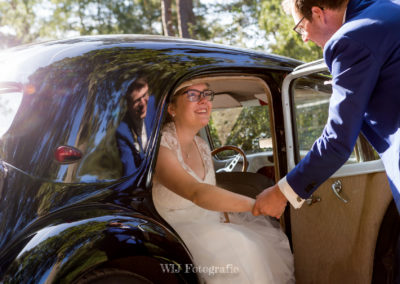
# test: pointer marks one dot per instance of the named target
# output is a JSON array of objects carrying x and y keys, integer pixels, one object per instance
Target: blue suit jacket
[
  {"x": 364, "y": 59},
  {"x": 131, "y": 156}
]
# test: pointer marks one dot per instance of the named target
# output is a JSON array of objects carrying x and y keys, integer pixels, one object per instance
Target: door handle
[
  {"x": 312, "y": 199},
  {"x": 337, "y": 189}
]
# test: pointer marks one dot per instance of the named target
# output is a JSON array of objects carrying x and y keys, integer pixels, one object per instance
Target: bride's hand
[{"x": 270, "y": 202}]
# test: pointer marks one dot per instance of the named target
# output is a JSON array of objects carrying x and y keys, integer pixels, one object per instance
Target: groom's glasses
[
  {"x": 196, "y": 95},
  {"x": 297, "y": 28}
]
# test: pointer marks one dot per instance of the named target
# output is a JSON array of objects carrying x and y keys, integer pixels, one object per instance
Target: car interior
[{"x": 240, "y": 133}]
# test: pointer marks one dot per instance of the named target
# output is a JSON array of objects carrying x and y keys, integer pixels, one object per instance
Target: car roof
[{"x": 59, "y": 49}]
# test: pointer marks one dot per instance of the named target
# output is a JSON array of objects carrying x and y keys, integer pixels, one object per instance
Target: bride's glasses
[{"x": 196, "y": 95}]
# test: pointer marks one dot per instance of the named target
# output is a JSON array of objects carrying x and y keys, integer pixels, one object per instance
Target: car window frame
[{"x": 361, "y": 167}]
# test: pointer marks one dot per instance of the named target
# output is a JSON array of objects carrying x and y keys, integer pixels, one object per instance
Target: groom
[
  {"x": 361, "y": 42},
  {"x": 132, "y": 133}
]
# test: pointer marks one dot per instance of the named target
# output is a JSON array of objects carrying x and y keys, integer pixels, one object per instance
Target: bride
[{"x": 245, "y": 249}]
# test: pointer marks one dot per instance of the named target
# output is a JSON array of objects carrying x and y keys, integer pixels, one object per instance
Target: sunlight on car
[{"x": 9, "y": 104}]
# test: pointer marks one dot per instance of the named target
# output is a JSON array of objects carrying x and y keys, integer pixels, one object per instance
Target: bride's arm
[{"x": 170, "y": 173}]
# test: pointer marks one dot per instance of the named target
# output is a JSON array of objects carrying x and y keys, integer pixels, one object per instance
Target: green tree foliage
[
  {"x": 29, "y": 20},
  {"x": 279, "y": 27},
  {"x": 19, "y": 17},
  {"x": 197, "y": 28},
  {"x": 236, "y": 23},
  {"x": 214, "y": 134},
  {"x": 25, "y": 21},
  {"x": 252, "y": 124},
  {"x": 310, "y": 123},
  {"x": 255, "y": 19},
  {"x": 106, "y": 16},
  {"x": 259, "y": 24}
]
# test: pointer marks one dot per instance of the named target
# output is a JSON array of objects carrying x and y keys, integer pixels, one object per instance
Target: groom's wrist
[{"x": 290, "y": 194}]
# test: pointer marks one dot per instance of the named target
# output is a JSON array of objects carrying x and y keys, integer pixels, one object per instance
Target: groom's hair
[{"x": 304, "y": 6}]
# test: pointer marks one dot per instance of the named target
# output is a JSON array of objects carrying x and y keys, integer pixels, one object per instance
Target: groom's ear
[{"x": 318, "y": 14}]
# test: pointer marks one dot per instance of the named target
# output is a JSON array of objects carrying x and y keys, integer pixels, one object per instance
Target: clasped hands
[{"x": 270, "y": 202}]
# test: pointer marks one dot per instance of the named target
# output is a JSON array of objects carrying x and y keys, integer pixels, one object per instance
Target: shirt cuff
[{"x": 289, "y": 193}]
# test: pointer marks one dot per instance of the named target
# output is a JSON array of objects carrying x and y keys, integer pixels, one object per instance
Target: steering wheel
[{"x": 235, "y": 160}]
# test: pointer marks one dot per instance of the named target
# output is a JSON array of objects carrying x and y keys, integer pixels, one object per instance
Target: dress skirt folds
[{"x": 248, "y": 249}]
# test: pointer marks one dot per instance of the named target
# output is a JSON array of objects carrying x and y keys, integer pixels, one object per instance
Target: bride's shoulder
[
  {"x": 202, "y": 143},
  {"x": 168, "y": 136}
]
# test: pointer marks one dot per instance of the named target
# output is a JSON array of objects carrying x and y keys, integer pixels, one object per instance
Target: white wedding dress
[{"x": 247, "y": 250}]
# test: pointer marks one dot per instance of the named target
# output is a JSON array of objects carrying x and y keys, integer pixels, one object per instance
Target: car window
[
  {"x": 311, "y": 96},
  {"x": 81, "y": 130},
  {"x": 247, "y": 127}
]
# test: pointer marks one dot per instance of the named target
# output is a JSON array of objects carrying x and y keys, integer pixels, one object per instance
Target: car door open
[{"x": 335, "y": 232}]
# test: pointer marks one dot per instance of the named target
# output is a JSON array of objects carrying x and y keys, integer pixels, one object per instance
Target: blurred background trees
[{"x": 256, "y": 24}]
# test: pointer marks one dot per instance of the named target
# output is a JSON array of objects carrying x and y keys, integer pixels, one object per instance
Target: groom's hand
[{"x": 270, "y": 202}]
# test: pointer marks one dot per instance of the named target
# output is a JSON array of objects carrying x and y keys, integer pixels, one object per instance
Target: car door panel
[{"x": 333, "y": 241}]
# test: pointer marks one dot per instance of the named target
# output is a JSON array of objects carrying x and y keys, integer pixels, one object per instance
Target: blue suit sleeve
[
  {"x": 355, "y": 72},
  {"x": 128, "y": 155}
]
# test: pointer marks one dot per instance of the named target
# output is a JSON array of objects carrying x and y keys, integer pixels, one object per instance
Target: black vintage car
[{"x": 75, "y": 179}]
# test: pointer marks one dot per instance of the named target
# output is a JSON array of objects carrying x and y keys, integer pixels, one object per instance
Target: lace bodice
[
  {"x": 170, "y": 141},
  {"x": 170, "y": 205}
]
